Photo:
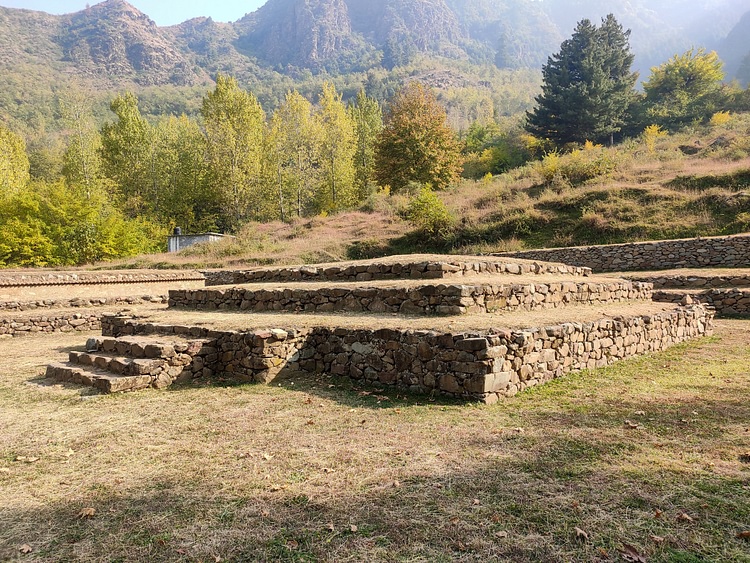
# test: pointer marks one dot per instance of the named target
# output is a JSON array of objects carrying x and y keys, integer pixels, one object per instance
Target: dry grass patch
[{"x": 309, "y": 472}]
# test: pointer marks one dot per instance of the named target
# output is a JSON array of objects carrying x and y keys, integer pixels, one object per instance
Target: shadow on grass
[{"x": 523, "y": 508}]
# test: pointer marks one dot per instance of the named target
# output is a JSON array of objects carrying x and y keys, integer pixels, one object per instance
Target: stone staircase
[{"x": 114, "y": 365}]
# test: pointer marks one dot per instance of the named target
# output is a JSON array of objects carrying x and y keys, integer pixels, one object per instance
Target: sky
[{"x": 163, "y": 12}]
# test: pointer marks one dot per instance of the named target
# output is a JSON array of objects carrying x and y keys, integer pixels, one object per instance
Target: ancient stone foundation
[
  {"x": 729, "y": 302},
  {"x": 404, "y": 268},
  {"x": 711, "y": 252},
  {"x": 441, "y": 299},
  {"x": 67, "y": 322},
  {"x": 476, "y": 366}
]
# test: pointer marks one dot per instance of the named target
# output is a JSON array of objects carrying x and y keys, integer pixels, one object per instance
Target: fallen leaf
[
  {"x": 477, "y": 502},
  {"x": 455, "y": 520},
  {"x": 27, "y": 459},
  {"x": 310, "y": 422},
  {"x": 631, "y": 554},
  {"x": 364, "y": 393},
  {"x": 658, "y": 513},
  {"x": 685, "y": 517},
  {"x": 640, "y": 413},
  {"x": 461, "y": 546},
  {"x": 69, "y": 453},
  {"x": 518, "y": 430},
  {"x": 276, "y": 487},
  {"x": 291, "y": 544},
  {"x": 581, "y": 535},
  {"x": 603, "y": 552},
  {"x": 25, "y": 549},
  {"x": 308, "y": 401},
  {"x": 265, "y": 513},
  {"x": 87, "y": 513},
  {"x": 743, "y": 535},
  {"x": 396, "y": 484},
  {"x": 217, "y": 559},
  {"x": 630, "y": 425},
  {"x": 382, "y": 398},
  {"x": 330, "y": 527},
  {"x": 363, "y": 422},
  {"x": 657, "y": 539},
  {"x": 501, "y": 534},
  {"x": 267, "y": 457},
  {"x": 353, "y": 529}
]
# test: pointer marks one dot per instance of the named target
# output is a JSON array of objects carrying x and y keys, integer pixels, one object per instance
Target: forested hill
[{"x": 112, "y": 42}]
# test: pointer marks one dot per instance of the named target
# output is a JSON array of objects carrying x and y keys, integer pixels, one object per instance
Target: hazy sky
[{"x": 163, "y": 12}]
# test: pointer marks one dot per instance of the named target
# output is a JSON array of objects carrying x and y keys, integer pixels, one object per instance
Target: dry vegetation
[
  {"x": 651, "y": 453},
  {"x": 695, "y": 183}
]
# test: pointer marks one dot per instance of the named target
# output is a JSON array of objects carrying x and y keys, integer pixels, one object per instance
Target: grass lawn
[{"x": 647, "y": 460}]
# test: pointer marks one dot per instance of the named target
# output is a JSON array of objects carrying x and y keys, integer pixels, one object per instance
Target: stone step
[
  {"x": 120, "y": 365},
  {"x": 105, "y": 382},
  {"x": 144, "y": 347}
]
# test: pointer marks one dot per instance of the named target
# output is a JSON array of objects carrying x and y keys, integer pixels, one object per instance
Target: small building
[{"x": 178, "y": 241}]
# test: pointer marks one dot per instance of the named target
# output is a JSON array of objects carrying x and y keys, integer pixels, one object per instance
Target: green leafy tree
[
  {"x": 337, "y": 148},
  {"x": 82, "y": 158},
  {"x": 127, "y": 154},
  {"x": 296, "y": 153},
  {"x": 234, "y": 122},
  {"x": 685, "y": 89},
  {"x": 587, "y": 86},
  {"x": 367, "y": 116},
  {"x": 416, "y": 144},
  {"x": 14, "y": 163}
]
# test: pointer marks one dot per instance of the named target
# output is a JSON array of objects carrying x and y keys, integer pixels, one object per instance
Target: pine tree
[
  {"x": 587, "y": 86},
  {"x": 416, "y": 144}
]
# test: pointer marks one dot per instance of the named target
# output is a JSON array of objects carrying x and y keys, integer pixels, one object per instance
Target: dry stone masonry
[
  {"x": 731, "y": 302},
  {"x": 20, "y": 279},
  {"x": 441, "y": 299},
  {"x": 67, "y": 322},
  {"x": 711, "y": 252},
  {"x": 401, "y": 269},
  {"x": 80, "y": 302},
  {"x": 482, "y": 366}
]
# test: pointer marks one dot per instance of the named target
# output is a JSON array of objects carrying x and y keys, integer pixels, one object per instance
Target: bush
[{"x": 429, "y": 214}]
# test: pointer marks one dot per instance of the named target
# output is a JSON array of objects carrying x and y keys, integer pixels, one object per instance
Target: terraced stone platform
[
  {"x": 498, "y": 329},
  {"x": 405, "y": 267}
]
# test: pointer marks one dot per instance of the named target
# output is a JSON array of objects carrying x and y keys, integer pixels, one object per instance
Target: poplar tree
[
  {"x": 368, "y": 122},
  {"x": 14, "y": 163},
  {"x": 337, "y": 153},
  {"x": 416, "y": 144},
  {"x": 234, "y": 122},
  {"x": 587, "y": 86}
]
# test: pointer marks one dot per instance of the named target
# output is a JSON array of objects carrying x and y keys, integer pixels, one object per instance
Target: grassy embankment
[{"x": 634, "y": 191}]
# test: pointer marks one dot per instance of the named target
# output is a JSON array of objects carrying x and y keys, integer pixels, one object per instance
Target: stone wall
[
  {"x": 728, "y": 252},
  {"x": 481, "y": 367},
  {"x": 10, "y": 278},
  {"x": 726, "y": 302},
  {"x": 57, "y": 322},
  {"x": 424, "y": 270},
  {"x": 441, "y": 299},
  {"x": 700, "y": 281},
  {"x": 80, "y": 302}
]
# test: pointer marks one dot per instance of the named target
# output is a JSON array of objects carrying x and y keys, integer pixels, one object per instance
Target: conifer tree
[{"x": 587, "y": 86}]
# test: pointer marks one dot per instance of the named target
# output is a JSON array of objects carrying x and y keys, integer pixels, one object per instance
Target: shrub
[
  {"x": 720, "y": 118},
  {"x": 429, "y": 214},
  {"x": 650, "y": 135}
]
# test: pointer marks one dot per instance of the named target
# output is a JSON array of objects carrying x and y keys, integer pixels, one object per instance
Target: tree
[
  {"x": 14, "y": 163},
  {"x": 82, "y": 157},
  {"x": 127, "y": 154},
  {"x": 368, "y": 122},
  {"x": 295, "y": 153},
  {"x": 337, "y": 153},
  {"x": 234, "y": 122},
  {"x": 416, "y": 144},
  {"x": 587, "y": 86},
  {"x": 684, "y": 89}
]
